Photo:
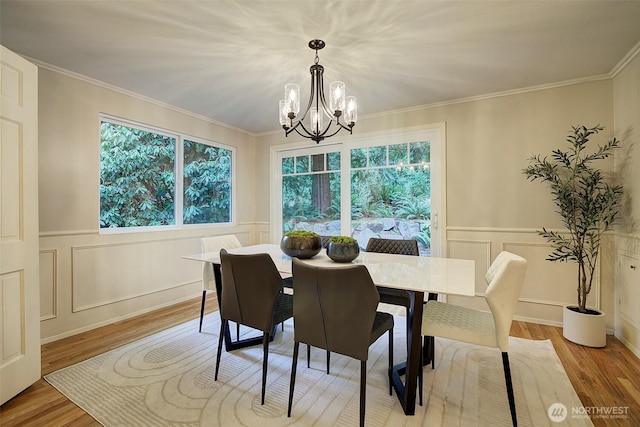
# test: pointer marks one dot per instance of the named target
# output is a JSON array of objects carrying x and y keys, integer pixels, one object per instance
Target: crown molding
[
  {"x": 613, "y": 73},
  {"x": 122, "y": 91},
  {"x": 626, "y": 60}
]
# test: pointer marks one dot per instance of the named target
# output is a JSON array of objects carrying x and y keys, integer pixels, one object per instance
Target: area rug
[{"x": 167, "y": 380}]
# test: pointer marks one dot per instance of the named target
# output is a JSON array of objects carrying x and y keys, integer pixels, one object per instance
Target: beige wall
[
  {"x": 87, "y": 278},
  {"x": 490, "y": 205},
  {"x": 90, "y": 279},
  {"x": 489, "y": 141},
  {"x": 70, "y": 147}
]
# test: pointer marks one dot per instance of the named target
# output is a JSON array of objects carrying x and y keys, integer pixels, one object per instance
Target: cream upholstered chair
[
  {"x": 505, "y": 278},
  {"x": 214, "y": 244}
]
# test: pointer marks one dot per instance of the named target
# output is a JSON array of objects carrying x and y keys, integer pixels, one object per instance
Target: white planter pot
[{"x": 585, "y": 329}]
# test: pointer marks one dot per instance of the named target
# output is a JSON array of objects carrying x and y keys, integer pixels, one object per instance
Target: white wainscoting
[
  {"x": 89, "y": 279},
  {"x": 628, "y": 297},
  {"x": 548, "y": 286},
  {"x": 105, "y": 274},
  {"x": 48, "y": 284}
]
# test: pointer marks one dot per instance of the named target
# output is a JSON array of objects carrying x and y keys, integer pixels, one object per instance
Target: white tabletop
[{"x": 425, "y": 274}]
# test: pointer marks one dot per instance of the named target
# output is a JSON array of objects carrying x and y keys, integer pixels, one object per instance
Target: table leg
[{"x": 407, "y": 391}]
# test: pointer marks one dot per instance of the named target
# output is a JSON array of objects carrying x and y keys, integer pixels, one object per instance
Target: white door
[{"x": 19, "y": 277}]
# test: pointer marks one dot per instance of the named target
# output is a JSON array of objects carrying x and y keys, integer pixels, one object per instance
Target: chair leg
[
  {"x": 204, "y": 299},
  {"x": 421, "y": 374},
  {"x": 223, "y": 324},
  {"x": 237, "y": 331},
  {"x": 265, "y": 357},
  {"x": 433, "y": 352},
  {"x": 507, "y": 377},
  {"x": 429, "y": 344},
  {"x": 363, "y": 389},
  {"x": 390, "y": 360},
  {"x": 432, "y": 348},
  {"x": 294, "y": 364},
  {"x": 309, "y": 358}
]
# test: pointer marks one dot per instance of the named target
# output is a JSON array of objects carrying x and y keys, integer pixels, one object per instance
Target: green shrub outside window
[{"x": 138, "y": 184}]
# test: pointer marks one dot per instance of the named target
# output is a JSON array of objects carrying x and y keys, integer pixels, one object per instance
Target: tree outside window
[
  {"x": 207, "y": 184},
  {"x": 138, "y": 184}
]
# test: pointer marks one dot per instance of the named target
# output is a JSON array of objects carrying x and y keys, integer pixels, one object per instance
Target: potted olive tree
[{"x": 588, "y": 203}]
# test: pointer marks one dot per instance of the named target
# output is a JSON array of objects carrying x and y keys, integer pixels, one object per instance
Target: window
[
  {"x": 311, "y": 191},
  {"x": 207, "y": 183},
  {"x": 387, "y": 186},
  {"x": 391, "y": 193},
  {"x": 155, "y": 178}
]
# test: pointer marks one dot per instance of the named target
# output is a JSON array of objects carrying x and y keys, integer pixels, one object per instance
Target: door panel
[{"x": 19, "y": 277}]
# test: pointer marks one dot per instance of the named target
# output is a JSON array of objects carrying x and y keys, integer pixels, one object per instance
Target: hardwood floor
[{"x": 603, "y": 378}]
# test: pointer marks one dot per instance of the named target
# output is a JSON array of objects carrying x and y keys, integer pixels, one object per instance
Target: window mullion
[{"x": 179, "y": 187}]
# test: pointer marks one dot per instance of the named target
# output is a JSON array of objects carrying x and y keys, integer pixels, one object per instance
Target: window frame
[
  {"x": 436, "y": 133},
  {"x": 178, "y": 167}
]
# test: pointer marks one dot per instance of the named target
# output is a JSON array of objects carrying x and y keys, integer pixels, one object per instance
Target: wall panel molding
[
  {"x": 548, "y": 286},
  {"x": 48, "y": 284},
  {"x": 493, "y": 230},
  {"x": 103, "y": 274}
]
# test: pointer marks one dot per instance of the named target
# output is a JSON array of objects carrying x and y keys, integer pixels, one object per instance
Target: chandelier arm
[
  {"x": 337, "y": 130},
  {"x": 287, "y": 131},
  {"x": 348, "y": 126},
  {"x": 316, "y": 138},
  {"x": 322, "y": 99},
  {"x": 323, "y": 134},
  {"x": 306, "y": 134},
  {"x": 312, "y": 94}
]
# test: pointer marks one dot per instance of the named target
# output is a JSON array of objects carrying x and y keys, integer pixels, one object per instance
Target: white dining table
[{"x": 418, "y": 275}]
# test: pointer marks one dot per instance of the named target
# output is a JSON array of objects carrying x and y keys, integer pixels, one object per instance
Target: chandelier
[{"x": 341, "y": 110}]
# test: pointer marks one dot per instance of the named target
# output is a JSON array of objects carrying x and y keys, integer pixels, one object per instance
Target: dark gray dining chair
[
  {"x": 214, "y": 244},
  {"x": 335, "y": 309},
  {"x": 398, "y": 247},
  {"x": 252, "y": 296},
  {"x": 398, "y": 296},
  {"x": 325, "y": 240}
]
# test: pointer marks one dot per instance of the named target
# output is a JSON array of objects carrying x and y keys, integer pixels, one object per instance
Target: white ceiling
[{"x": 229, "y": 60}]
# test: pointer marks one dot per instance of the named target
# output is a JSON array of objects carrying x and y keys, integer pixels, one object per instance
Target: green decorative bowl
[
  {"x": 301, "y": 247},
  {"x": 343, "y": 252}
]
